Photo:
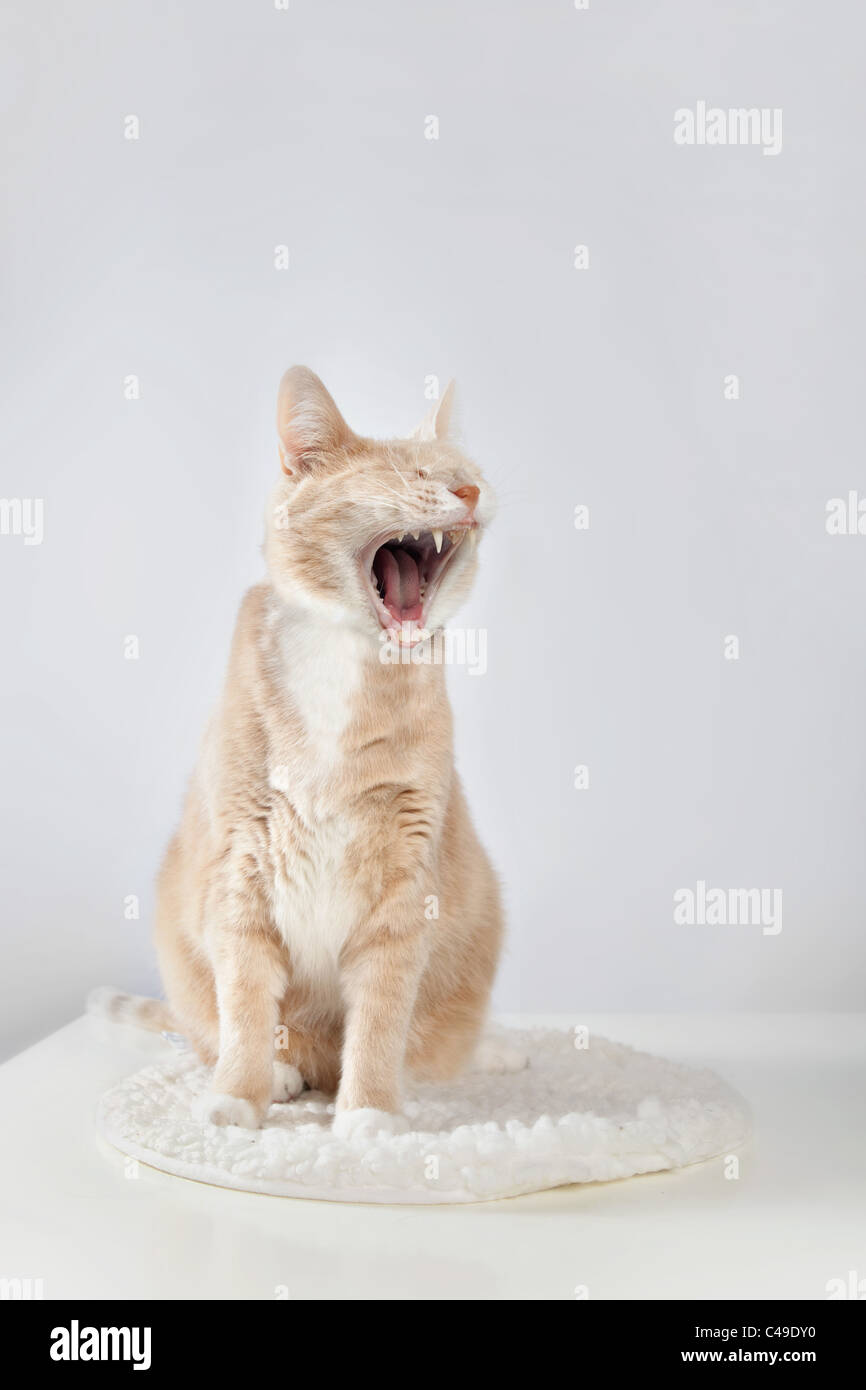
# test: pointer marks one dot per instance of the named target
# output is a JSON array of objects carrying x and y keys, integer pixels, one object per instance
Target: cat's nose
[{"x": 469, "y": 494}]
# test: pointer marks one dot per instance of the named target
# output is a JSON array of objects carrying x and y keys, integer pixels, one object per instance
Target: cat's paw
[
  {"x": 288, "y": 1082},
  {"x": 366, "y": 1123},
  {"x": 497, "y": 1057},
  {"x": 216, "y": 1108}
]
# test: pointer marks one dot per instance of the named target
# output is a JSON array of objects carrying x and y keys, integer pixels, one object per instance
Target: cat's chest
[
  {"x": 313, "y": 821},
  {"x": 336, "y": 740},
  {"x": 322, "y": 675},
  {"x": 314, "y": 903}
]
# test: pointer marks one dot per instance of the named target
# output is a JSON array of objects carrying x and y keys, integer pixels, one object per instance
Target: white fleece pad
[{"x": 572, "y": 1115}]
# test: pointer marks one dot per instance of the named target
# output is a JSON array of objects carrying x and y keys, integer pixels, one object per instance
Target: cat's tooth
[
  {"x": 437, "y": 540},
  {"x": 455, "y": 537},
  {"x": 472, "y": 537},
  {"x": 416, "y": 535}
]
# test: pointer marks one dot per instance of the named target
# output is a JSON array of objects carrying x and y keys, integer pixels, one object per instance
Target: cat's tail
[{"x": 131, "y": 1009}]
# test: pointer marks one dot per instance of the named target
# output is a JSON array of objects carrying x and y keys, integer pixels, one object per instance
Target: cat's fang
[{"x": 437, "y": 540}]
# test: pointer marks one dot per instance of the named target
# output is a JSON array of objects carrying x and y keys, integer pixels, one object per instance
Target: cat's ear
[
  {"x": 309, "y": 425},
  {"x": 439, "y": 418}
]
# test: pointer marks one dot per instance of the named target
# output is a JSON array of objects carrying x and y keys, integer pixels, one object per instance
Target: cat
[{"x": 326, "y": 915}]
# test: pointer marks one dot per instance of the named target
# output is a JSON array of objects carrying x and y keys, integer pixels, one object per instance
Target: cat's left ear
[
  {"x": 439, "y": 419},
  {"x": 309, "y": 425}
]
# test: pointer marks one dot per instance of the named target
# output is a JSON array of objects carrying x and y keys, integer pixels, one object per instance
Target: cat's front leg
[
  {"x": 250, "y": 976},
  {"x": 380, "y": 982}
]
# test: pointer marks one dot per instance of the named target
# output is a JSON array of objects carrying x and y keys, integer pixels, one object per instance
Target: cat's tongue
[{"x": 397, "y": 571}]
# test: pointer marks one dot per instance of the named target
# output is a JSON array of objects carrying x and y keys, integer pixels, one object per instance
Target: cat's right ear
[
  {"x": 309, "y": 425},
  {"x": 438, "y": 421}
]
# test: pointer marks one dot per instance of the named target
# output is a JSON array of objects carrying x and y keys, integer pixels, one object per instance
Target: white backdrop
[{"x": 604, "y": 386}]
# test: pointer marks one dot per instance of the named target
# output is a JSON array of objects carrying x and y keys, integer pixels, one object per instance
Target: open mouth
[{"x": 403, "y": 573}]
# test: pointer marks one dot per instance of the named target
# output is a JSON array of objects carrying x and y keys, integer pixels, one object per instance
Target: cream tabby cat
[{"x": 296, "y": 925}]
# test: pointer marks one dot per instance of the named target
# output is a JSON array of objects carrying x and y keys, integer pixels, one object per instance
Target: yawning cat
[{"x": 326, "y": 913}]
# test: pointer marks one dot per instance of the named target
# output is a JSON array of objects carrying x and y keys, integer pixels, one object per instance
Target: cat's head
[{"x": 376, "y": 535}]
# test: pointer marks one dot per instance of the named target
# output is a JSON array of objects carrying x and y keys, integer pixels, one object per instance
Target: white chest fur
[
  {"x": 323, "y": 667},
  {"x": 314, "y": 905}
]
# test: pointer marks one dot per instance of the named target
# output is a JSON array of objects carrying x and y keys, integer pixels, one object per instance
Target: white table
[{"x": 794, "y": 1219}]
